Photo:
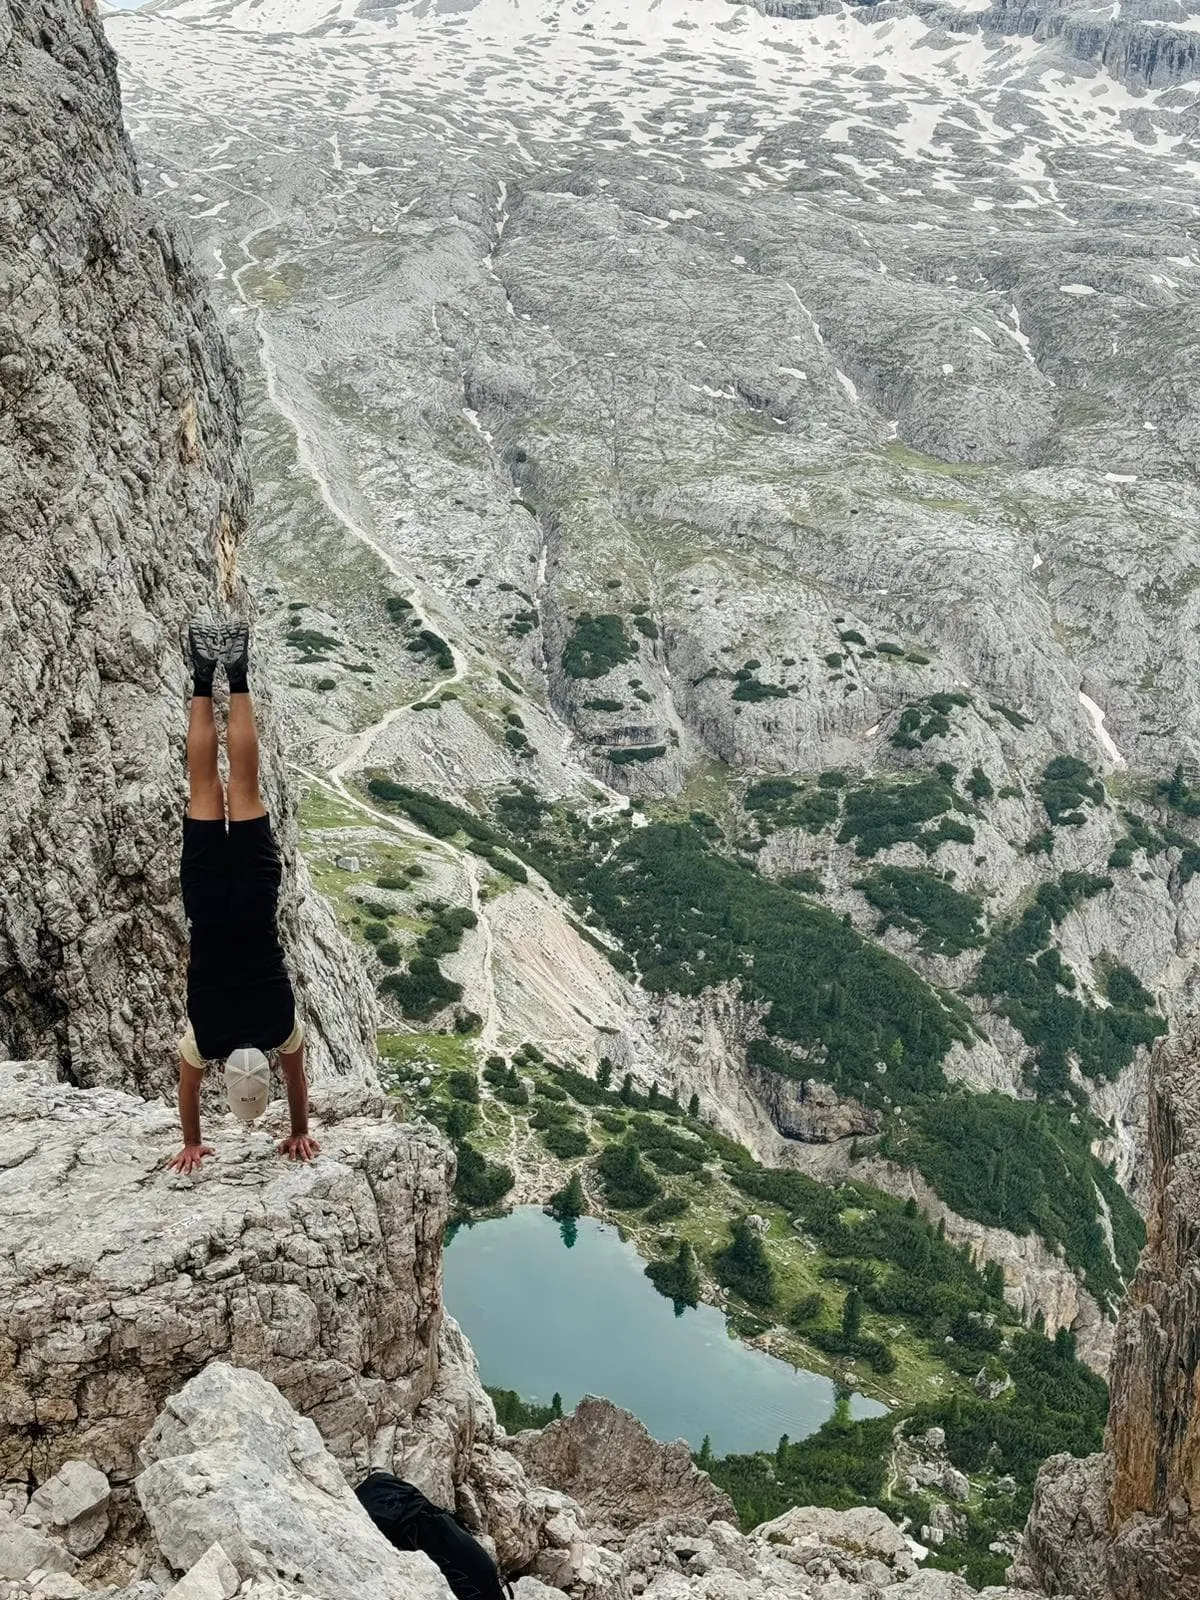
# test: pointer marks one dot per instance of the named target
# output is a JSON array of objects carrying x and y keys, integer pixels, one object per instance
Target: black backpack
[{"x": 411, "y": 1522}]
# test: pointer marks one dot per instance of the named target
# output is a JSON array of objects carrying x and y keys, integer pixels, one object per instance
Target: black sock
[
  {"x": 202, "y": 682},
  {"x": 237, "y": 680}
]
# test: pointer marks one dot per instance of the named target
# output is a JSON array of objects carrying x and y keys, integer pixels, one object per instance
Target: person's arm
[
  {"x": 193, "y": 1152},
  {"x": 300, "y": 1146}
]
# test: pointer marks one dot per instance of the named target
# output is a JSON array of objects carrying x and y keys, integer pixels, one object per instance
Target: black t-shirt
[
  {"x": 237, "y": 984},
  {"x": 238, "y": 988}
]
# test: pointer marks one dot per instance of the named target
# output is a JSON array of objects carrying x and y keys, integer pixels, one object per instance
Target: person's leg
[
  {"x": 206, "y": 797},
  {"x": 241, "y": 741},
  {"x": 241, "y": 736}
]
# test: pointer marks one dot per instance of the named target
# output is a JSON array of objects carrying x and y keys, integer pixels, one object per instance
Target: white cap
[{"x": 248, "y": 1083}]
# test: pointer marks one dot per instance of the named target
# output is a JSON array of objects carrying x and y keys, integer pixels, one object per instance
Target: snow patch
[{"x": 1103, "y": 736}]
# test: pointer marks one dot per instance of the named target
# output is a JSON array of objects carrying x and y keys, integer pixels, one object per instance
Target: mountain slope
[{"x": 668, "y": 404}]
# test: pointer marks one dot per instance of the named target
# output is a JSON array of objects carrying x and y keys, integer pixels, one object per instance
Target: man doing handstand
[{"x": 239, "y": 999}]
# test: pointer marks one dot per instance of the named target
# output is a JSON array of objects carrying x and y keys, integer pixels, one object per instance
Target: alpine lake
[{"x": 567, "y": 1308}]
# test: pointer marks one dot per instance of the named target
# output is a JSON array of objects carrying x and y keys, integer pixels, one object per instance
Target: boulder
[
  {"x": 621, "y": 1476},
  {"x": 214, "y": 1577},
  {"x": 74, "y": 1503},
  {"x": 863, "y": 1533},
  {"x": 120, "y": 1281},
  {"x": 230, "y": 1462},
  {"x": 24, "y": 1550}
]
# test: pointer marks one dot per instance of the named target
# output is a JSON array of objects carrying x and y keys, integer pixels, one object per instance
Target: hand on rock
[
  {"x": 190, "y": 1157},
  {"x": 300, "y": 1147}
]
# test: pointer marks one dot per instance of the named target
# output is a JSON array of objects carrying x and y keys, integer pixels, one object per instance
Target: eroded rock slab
[{"x": 120, "y": 1282}]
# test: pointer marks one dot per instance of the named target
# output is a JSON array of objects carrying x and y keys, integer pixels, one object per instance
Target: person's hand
[
  {"x": 300, "y": 1147},
  {"x": 190, "y": 1157}
]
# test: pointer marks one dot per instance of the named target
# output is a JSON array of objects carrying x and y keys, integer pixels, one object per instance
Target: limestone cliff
[
  {"x": 123, "y": 495},
  {"x": 1154, "y": 1427},
  {"x": 1147, "y": 1547}
]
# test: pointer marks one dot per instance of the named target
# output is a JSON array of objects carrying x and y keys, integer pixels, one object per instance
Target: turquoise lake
[{"x": 586, "y": 1320}]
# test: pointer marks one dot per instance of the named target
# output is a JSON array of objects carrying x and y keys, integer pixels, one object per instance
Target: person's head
[{"x": 248, "y": 1083}]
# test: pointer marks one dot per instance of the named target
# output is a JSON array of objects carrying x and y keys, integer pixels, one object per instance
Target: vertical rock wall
[
  {"x": 1154, "y": 1425},
  {"x": 123, "y": 494},
  {"x": 1125, "y": 1525}
]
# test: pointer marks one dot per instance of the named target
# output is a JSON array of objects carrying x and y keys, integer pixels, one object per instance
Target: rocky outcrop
[
  {"x": 121, "y": 1281},
  {"x": 74, "y": 1504},
  {"x": 1126, "y": 1525},
  {"x": 607, "y": 1460},
  {"x": 864, "y": 1533},
  {"x": 1154, "y": 1423},
  {"x": 1146, "y": 44},
  {"x": 810, "y": 1110},
  {"x": 1064, "y": 1548},
  {"x": 123, "y": 494},
  {"x": 835, "y": 1557},
  {"x": 273, "y": 1499}
]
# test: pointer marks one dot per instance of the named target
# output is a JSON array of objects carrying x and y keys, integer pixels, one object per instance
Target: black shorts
[{"x": 229, "y": 875}]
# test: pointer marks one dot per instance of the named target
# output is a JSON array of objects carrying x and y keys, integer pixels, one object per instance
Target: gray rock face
[
  {"x": 1119, "y": 1526},
  {"x": 121, "y": 1281},
  {"x": 213, "y": 1577},
  {"x": 1153, "y": 1418},
  {"x": 1064, "y": 1551},
  {"x": 229, "y": 1461},
  {"x": 607, "y": 1460},
  {"x": 810, "y": 1111},
  {"x": 864, "y": 1533},
  {"x": 123, "y": 495}
]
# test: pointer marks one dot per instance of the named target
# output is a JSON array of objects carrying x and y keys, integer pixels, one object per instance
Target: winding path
[{"x": 337, "y": 777}]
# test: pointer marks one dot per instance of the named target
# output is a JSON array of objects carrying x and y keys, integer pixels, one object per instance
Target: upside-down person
[{"x": 240, "y": 1004}]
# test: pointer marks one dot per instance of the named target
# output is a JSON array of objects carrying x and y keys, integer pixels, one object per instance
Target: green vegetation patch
[
  {"x": 1028, "y": 1167},
  {"x": 428, "y": 643},
  {"x": 480, "y": 1184},
  {"x": 1066, "y": 786},
  {"x": 516, "y": 1415},
  {"x": 627, "y": 1182},
  {"x": 749, "y": 687},
  {"x": 1023, "y": 973},
  {"x": 692, "y": 919},
  {"x": 677, "y": 1277},
  {"x": 793, "y": 803},
  {"x": 1142, "y": 835},
  {"x": 745, "y": 1267},
  {"x": 312, "y": 645},
  {"x": 890, "y": 811},
  {"x": 926, "y": 719},
  {"x": 1018, "y": 719},
  {"x": 597, "y": 646},
  {"x": 424, "y": 989},
  {"x": 947, "y": 920},
  {"x": 628, "y": 755}
]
